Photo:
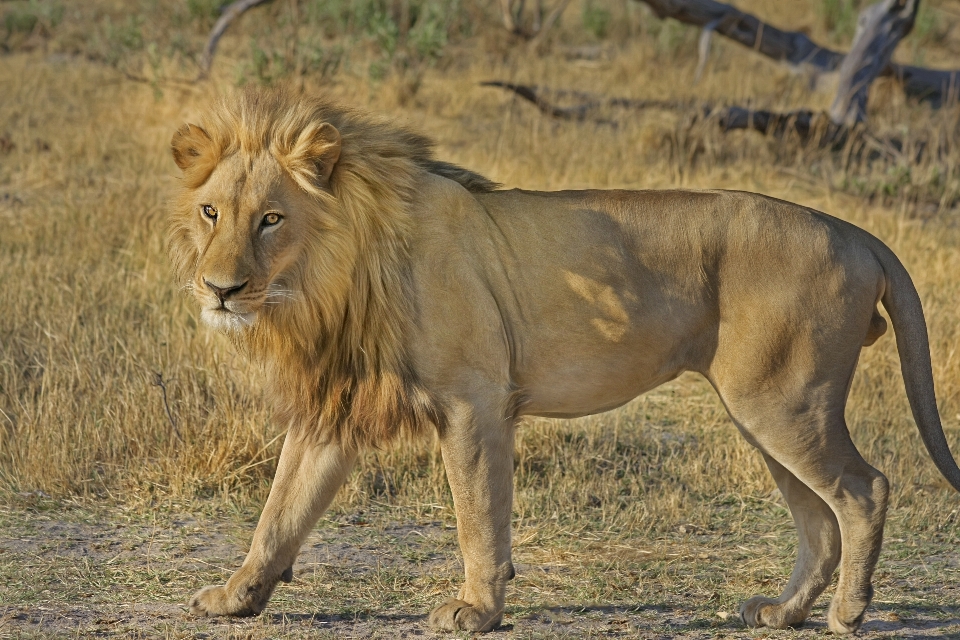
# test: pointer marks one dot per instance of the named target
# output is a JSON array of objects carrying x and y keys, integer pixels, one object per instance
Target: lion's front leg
[
  {"x": 308, "y": 476},
  {"x": 477, "y": 450}
]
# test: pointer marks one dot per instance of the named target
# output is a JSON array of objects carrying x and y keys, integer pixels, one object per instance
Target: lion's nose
[{"x": 223, "y": 293}]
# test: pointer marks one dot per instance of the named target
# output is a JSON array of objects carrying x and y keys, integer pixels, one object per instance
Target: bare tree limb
[
  {"x": 808, "y": 127},
  {"x": 934, "y": 86},
  {"x": 805, "y": 124},
  {"x": 880, "y": 28},
  {"x": 531, "y": 94},
  {"x": 230, "y": 13},
  {"x": 589, "y": 105}
]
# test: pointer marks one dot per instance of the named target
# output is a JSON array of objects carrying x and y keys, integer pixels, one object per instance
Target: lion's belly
[
  {"x": 587, "y": 381},
  {"x": 580, "y": 400}
]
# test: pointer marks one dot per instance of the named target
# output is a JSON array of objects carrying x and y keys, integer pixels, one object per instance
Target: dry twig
[{"x": 158, "y": 381}]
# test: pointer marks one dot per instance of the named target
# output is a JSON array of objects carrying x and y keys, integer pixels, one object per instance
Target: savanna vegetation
[{"x": 137, "y": 446}]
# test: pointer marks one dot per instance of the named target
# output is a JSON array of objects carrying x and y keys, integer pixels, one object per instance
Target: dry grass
[{"x": 89, "y": 315}]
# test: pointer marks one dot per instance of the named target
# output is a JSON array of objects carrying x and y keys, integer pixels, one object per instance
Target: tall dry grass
[{"x": 89, "y": 315}]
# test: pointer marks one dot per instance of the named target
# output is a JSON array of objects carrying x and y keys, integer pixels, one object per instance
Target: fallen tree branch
[
  {"x": 230, "y": 13},
  {"x": 589, "y": 104},
  {"x": 934, "y": 86},
  {"x": 809, "y": 127},
  {"x": 806, "y": 124}
]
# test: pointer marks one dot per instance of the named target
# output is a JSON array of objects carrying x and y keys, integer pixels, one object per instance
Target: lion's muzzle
[{"x": 224, "y": 292}]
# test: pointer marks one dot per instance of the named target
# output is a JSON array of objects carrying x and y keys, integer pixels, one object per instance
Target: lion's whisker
[{"x": 280, "y": 294}]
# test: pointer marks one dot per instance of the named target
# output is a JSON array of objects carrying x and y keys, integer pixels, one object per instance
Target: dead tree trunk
[
  {"x": 880, "y": 28},
  {"x": 934, "y": 86}
]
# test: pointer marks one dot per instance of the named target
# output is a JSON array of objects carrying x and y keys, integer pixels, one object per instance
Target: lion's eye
[
  {"x": 271, "y": 219},
  {"x": 210, "y": 212}
]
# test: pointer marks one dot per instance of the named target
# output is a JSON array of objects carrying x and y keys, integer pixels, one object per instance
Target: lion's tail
[{"x": 902, "y": 302}]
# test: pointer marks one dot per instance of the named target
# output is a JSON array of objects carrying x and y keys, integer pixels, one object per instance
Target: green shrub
[
  {"x": 24, "y": 19},
  {"x": 596, "y": 19},
  {"x": 428, "y": 34}
]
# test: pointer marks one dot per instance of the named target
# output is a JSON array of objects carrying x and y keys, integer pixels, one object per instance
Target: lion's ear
[
  {"x": 190, "y": 145},
  {"x": 314, "y": 155}
]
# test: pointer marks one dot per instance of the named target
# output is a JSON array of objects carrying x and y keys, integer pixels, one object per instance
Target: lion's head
[
  {"x": 290, "y": 230},
  {"x": 258, "y": 231},
  {"x": 251, "y": 219}
]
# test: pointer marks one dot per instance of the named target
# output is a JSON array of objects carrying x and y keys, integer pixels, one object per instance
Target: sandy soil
[{"x": 78, "y": 574}]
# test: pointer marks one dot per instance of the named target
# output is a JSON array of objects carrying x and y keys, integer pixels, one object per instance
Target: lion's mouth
[
  {"x": 237, "y": 314},
  {"x": 223, "y": 318}
]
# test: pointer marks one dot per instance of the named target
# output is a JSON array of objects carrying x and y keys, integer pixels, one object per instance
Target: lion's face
[
  {"x": 247, "y": 232},
  {"x": 242, "y": 230}
]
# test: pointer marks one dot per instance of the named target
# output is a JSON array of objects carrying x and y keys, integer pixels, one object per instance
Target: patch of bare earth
[{"x": 76, "y": 572}]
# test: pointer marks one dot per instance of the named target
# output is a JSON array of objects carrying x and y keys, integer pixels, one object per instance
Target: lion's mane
[{"x": 335, "y": 356}]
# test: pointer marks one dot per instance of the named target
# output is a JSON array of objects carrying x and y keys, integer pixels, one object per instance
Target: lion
[{"x": 387, "y": 293}]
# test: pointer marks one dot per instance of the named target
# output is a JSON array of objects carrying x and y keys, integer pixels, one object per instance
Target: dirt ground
[{"x": 91, "y": 572}]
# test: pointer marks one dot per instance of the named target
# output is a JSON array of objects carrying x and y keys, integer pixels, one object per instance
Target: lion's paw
[
  {"x": 214, "y": 601},
  {"x": 847, "y": 610},
  {"x": 840, "y": 627},
  {"x": 457, "y": 615},
  {"x": 760, "y": 611},
  {"x": 844, "y": 624}
]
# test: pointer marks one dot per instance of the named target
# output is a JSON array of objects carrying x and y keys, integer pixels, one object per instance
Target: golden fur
[
  {"x": 386, "y": 291},
  {"x": 336, "y": 360}
]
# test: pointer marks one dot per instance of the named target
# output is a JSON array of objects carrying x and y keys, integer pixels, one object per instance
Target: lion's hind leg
[
  {"x": 784, "y": 369},
  {"x": 818, "y": 556},
  {"x": 814, "y": 447}
]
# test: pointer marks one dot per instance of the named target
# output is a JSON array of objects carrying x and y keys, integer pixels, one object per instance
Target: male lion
[{"x": 385, "y": 291}]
